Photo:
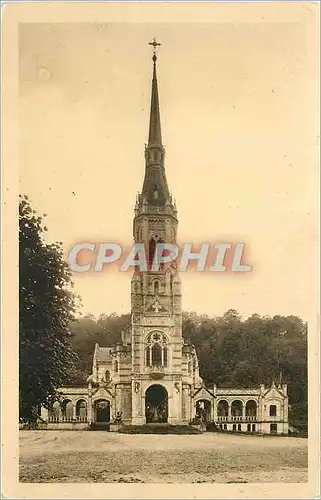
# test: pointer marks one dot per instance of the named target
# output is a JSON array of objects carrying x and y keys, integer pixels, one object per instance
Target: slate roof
[{"x": 103, "y": 354}]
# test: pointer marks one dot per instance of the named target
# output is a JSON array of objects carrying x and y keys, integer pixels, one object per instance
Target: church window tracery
[{"x": 156, "y": 350}]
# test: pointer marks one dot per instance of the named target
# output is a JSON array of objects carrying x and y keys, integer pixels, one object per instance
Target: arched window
[
  {"x": 56, "y": 410},
  {"x": 116, "y": 365},
  {"x": 250, "y": 408},
  {"x": 156, "y": 350},
  {"x": 67, "y": 409},
  {"x": 236, "y": 408},
  {"x": 156, "y": 287},
  {"x": 222, "y": 408},
  {"x": 151, "y": 250},
  {"x": 107, "y": 375},
  {"x": 81, "y": 409}
]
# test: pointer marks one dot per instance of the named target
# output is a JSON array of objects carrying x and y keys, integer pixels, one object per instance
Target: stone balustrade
[
  {"x": 238, "y": 418},
  {"x": 64, "y": 419}
]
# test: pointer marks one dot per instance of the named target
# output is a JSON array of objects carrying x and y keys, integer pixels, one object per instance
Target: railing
[
  {"x": 63, "y": 419},
  {"x": 272, "y": 418},
  {"x": 238, "y": 418},
  {"x": 156, "y": 372}
]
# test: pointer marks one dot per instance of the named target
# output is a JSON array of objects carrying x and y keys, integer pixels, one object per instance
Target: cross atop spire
[{"x": 154, "y": 43}]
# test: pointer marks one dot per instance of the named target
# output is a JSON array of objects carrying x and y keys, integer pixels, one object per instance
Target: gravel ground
[{"x": 105, "y": 457}]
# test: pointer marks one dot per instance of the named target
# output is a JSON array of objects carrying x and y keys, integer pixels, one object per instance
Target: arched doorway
[
  {"x": 102, "y": 410},
  {"x": 203, "y": 410},
  {"x": 156, "y": 404}
]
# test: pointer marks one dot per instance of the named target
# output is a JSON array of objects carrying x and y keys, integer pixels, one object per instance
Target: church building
[{"x": 152, "y": 375}]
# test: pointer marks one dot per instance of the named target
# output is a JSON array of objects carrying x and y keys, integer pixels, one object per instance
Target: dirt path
[{"x": 82, "y": 456}]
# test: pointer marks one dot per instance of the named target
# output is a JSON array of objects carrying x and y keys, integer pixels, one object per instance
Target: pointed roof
[
  {"x": 155, "y": 134},
  {"x": 203, "y": 392},
  {"x": 155, "y": 190}
]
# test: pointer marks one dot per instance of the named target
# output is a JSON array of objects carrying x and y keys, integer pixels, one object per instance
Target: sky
[{"x": 239, "y": 119}]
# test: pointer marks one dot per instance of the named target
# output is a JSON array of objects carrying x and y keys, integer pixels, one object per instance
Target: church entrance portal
[
  {"x": 102, "y": 411},
  {"x": 156, "y": 404}
]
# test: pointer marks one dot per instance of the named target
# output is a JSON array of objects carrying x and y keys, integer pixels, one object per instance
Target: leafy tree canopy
[{"x": 47, "y": 306}]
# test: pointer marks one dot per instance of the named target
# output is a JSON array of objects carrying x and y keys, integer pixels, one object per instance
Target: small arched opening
[
  {"x": 55, "y": 411},
  {"x": 156, "y": 287},
  {"x": 236, "y": 408},
  {"x": 102, "y": 411},
  {"x": 251, "y": 409},
  {"x": 153, "y": 242},
  {"x": 203, "y": 410},
  {"x": 67, "y": 409},
  {"x": 81, "y": 410},
  {"x": 222, "y": 408}
]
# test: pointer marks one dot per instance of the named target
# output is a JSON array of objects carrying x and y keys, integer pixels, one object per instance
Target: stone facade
[{"x": 152, "y": 375}]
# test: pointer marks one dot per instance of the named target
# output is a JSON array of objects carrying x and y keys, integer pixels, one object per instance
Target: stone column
[
  {"x": 243, "y": 411},
  {"x": 229, "y": 411},
  {"x": 74, "y": 411},
  {"x": 214, "y": 409},
  {"x": 137, "y": 401},
  {"x": 175, "y": 403},
  {"x": 89, "y": 410},
  {"x": 286, "y": 410}
]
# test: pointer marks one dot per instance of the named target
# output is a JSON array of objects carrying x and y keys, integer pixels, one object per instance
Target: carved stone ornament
[
  {"x": 156, "y": 224},
  {"x": 156, "y": 306},
  {"x": 137, "y": 386},
  {"x": 136, "y": 318}
]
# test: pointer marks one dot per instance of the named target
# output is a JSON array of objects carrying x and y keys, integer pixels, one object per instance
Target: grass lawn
[{"x": 83, "y": 456}]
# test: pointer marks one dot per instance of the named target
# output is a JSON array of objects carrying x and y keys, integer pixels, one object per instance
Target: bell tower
[{"x": 156, "y": 295}]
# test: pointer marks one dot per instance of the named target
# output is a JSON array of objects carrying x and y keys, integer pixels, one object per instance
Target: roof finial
[{"x": 154, "y": 44}]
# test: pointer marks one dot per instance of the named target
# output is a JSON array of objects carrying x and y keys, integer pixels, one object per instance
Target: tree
[{"x": 46, "y": 308}]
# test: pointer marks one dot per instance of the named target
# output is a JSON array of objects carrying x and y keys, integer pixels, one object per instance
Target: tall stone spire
[
  {"x": 155, "y": 190},
  {"x": 155, "y": 134}
]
